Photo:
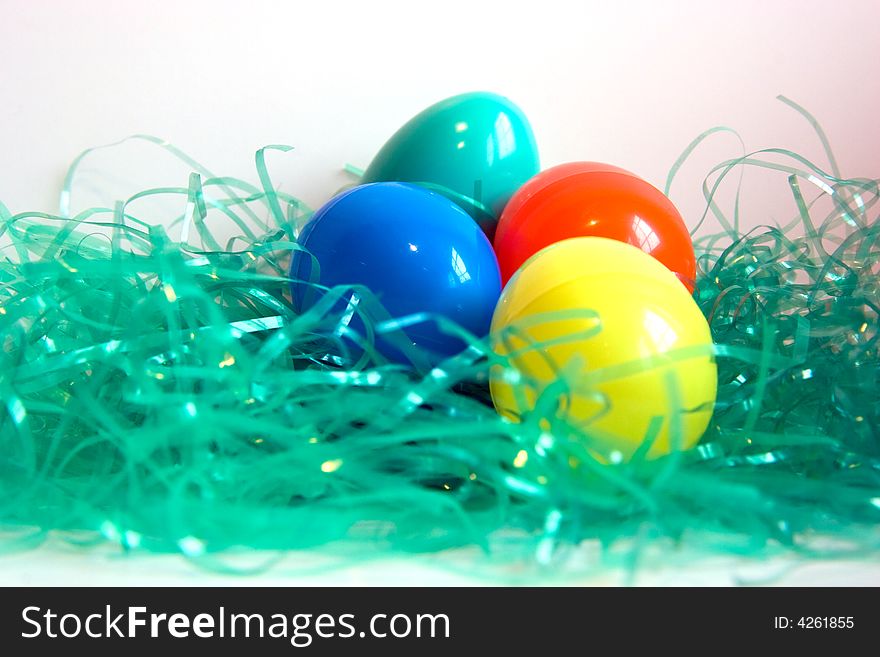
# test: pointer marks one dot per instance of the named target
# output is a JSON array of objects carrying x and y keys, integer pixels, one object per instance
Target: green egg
[{"x": 475, "y": 148}]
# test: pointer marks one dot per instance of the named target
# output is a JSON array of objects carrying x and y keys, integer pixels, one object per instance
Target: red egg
[{"x": 582, "y": 199}]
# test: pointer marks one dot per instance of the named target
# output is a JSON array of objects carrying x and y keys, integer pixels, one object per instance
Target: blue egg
[{"x": 416, "y": 250}]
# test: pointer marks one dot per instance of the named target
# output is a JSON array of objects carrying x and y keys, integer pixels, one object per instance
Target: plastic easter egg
[
  {"x": 416, "y": 250},
  {"x": 583, "y": 199},
  {"x": 629, "y": 346},
  {"x": 476, "y": 148}
]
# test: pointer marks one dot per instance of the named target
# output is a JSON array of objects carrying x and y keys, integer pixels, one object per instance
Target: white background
[{"x": 629, "y": 83}]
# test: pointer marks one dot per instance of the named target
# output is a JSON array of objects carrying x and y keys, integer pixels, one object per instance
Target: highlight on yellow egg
[
  {"x": 571, "y": 258},
  {"x": 600, "y": 335}
]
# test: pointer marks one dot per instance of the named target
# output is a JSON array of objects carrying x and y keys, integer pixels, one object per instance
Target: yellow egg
[{"x": 602, "y": 335}]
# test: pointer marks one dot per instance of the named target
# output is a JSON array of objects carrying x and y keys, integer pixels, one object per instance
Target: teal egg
[{"x": 475, "y": 148}]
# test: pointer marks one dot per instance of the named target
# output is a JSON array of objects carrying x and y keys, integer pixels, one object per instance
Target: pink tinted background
[{"x": 630, "y": 83}]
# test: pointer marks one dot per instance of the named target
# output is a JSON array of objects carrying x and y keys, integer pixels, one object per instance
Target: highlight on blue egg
[{"x": 416, "y": 251}]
